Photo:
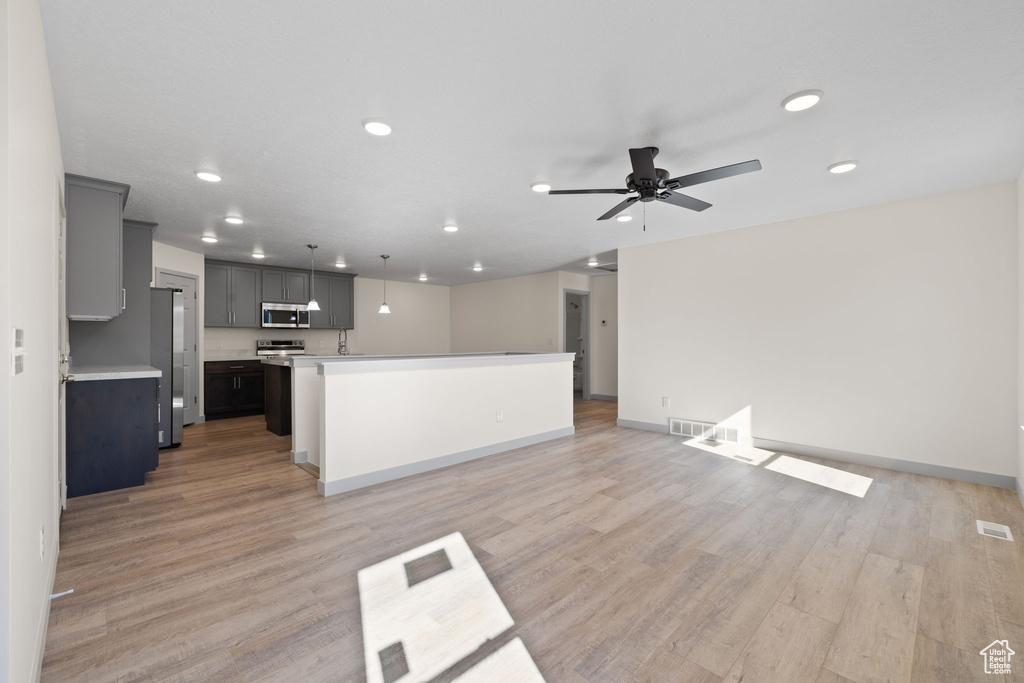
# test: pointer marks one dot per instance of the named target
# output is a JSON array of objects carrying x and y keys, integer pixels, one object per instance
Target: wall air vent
[
  {"x": 995, "y": 530},
  {"x": 702, "y": 430}
]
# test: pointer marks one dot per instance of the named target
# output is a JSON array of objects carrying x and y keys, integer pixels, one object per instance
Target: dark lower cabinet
[
  {"x": 279, "y": 400},
  {"x": 233, "y": 388},
  {"x": 111, "y": 434}
]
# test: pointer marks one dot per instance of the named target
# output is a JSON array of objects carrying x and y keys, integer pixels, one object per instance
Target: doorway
[
  {"x": 186, "y": 282},
  {"x": 576, "y": 335}
]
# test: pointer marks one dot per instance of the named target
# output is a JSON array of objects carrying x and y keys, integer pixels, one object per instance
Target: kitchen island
[{"x": 363, "y": 420}]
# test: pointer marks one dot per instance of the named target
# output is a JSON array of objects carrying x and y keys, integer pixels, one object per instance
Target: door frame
[
  {"x": 585, "y": 325},
  {"x": 158, "y": 271},
  {"x": 63, "y": 347}
]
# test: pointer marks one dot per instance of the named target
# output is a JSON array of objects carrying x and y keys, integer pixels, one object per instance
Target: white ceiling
[{"x": 487, "y": 97}]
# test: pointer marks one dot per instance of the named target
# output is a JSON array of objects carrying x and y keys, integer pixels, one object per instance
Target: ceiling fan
[{"x": 653, "y": 184}]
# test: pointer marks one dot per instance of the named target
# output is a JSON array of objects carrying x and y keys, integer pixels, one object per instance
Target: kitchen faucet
[{"x": 343, "y": 342}]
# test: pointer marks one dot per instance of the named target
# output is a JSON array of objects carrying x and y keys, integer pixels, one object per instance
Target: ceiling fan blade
[
  {"x": 684, "y": 200},
  {"x": 621, "y": 191},
  {"x": 618, "y": 208},
  {"x": 713, "y": 174},
  {"x": 643, "y": 164}
]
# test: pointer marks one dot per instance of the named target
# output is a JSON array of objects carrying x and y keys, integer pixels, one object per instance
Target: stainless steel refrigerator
[{"x": 167, "y": 354}]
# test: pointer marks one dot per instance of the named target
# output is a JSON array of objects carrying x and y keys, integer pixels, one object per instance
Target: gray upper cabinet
[
  {"x": 232, "y": 296},
  {"x": 334, "y": 294},
  {"x": 285, "y": 286},
  {"x": 342, "y": 302},
  {"x": 321, "y": 320},
  {"x": 217, "y": 300},
  {"x": 245, "y": 296},
  {"x": 94, "y": 247}
]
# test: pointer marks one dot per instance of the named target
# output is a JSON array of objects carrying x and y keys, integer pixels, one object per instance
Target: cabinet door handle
[
  {"x": 237, "y": 367},
  {"x": 124, "y": 298}
]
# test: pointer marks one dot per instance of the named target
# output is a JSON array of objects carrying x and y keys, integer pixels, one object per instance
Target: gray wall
[{"x": 125, "y": 339}]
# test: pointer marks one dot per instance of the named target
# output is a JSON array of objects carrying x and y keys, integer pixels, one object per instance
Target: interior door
[
  {"x": 187, "y": 284},
  {"x": 63, "y": 350}
]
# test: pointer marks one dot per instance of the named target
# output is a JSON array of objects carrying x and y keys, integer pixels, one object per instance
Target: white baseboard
[
  {"x": 987, "y": 478},
  {"x": 336, "y": 486}
]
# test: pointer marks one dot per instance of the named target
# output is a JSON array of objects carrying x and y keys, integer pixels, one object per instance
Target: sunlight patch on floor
[{"x": 822, "y": 475}]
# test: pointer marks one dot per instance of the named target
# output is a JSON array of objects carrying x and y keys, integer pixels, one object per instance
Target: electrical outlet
[
  {"x": 42, "y": 543},
  {"x": 220, "y": 345},
  {"x": 551, "y": 341},
  {"x": 499, "y": 416},
  {"x": 321, "y": 344},
  {"x": 666, "y": 402}
]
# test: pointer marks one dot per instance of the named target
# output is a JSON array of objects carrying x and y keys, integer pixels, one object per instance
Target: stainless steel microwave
[{"x": 285, "y": 315}]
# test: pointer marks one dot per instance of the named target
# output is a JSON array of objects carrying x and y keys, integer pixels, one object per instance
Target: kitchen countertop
[
  {"x": 380, "y": 363},
  {"x": 92, "y": 373}
]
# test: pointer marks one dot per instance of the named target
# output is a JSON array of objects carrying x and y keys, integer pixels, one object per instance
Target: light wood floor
[{"x": 621, "y": 555}]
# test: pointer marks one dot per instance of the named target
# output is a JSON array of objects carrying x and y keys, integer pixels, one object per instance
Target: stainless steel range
[{"x": 279, "y": 347}]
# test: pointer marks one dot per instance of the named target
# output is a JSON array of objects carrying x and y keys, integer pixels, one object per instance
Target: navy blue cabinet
[{"x": 111, "y": 434}]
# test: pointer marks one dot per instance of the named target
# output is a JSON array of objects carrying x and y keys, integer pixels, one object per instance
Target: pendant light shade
[
  {"x": 384, "y": 308},
  {"x": 312, "y": 305}
]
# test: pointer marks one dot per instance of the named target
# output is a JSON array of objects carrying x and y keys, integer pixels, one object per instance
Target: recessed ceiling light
[
  {"x": 233, "y": 220},
  {"x": 540, "y": 187},
  {"x": 625, "y": 218},
  {"x": 592, "y": 262},
  {"x": 209, "y": 238},
  {"x": 423, "y": 278},
  {"x": 805, "y": 99},
  {"x": 339, "y": 264},
  {"x": 451, "y": 228},
  {"x": 376, "y": 127},
  {"x": 478, "y": 268},
  {"x": 842, "y": 167},
  {"x": 208, "y": 176},
  {"x": 257, "y": 254}
]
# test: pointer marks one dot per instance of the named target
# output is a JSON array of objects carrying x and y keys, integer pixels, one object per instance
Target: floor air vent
[
  {"x": 702, "y": 430},
  {"x": 994, "y": 530}
]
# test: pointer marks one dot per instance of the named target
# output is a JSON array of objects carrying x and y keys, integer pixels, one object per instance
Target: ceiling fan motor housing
[{"x": 648, "y": 189}]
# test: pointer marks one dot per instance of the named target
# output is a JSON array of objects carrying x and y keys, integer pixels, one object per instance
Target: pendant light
[
  {"x": 384, "y": 306},
  {"x": 312, "y": 305}
]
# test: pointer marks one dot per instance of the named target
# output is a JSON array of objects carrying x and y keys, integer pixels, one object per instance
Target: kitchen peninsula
[{"x": 363, "y": 420}]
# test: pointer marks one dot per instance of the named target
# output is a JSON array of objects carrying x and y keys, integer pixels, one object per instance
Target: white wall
[
  {"x": 34, "y": 173},
  {"x": 192, "y": 262},
  {"x": 604, "y": 339},
  {"x": 5, "y": 348},
  {"x": 514, "y": 314},
  {"x": 524, "y": 313},
  {"x": 419, "y": 323},
  {"x": 888, "y": 330},
  {"x": 1020, "y": 334}
]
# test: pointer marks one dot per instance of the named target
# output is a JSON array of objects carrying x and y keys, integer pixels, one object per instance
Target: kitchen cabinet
[
  {"x": 334, "y": 293},
  {"x": 94, "y": 247},
  {"x": 111, "y": 434},
  {"x": 232, "y": 297},
  {"x": 285, "y": 286},
  {"x": 278, "y": 399},
  {"x": 234, "y": 388}
]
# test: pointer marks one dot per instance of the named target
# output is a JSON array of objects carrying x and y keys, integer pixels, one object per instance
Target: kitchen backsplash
[{"x": 224, "y": 343}]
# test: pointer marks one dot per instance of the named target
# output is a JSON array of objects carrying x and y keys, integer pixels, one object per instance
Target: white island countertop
[
  {"x": 92, "y": 373},
  {"x": 366, "y": 363}
]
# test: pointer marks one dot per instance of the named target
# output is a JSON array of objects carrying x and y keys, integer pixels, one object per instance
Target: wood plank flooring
[{"x": 621, "y": 555}]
